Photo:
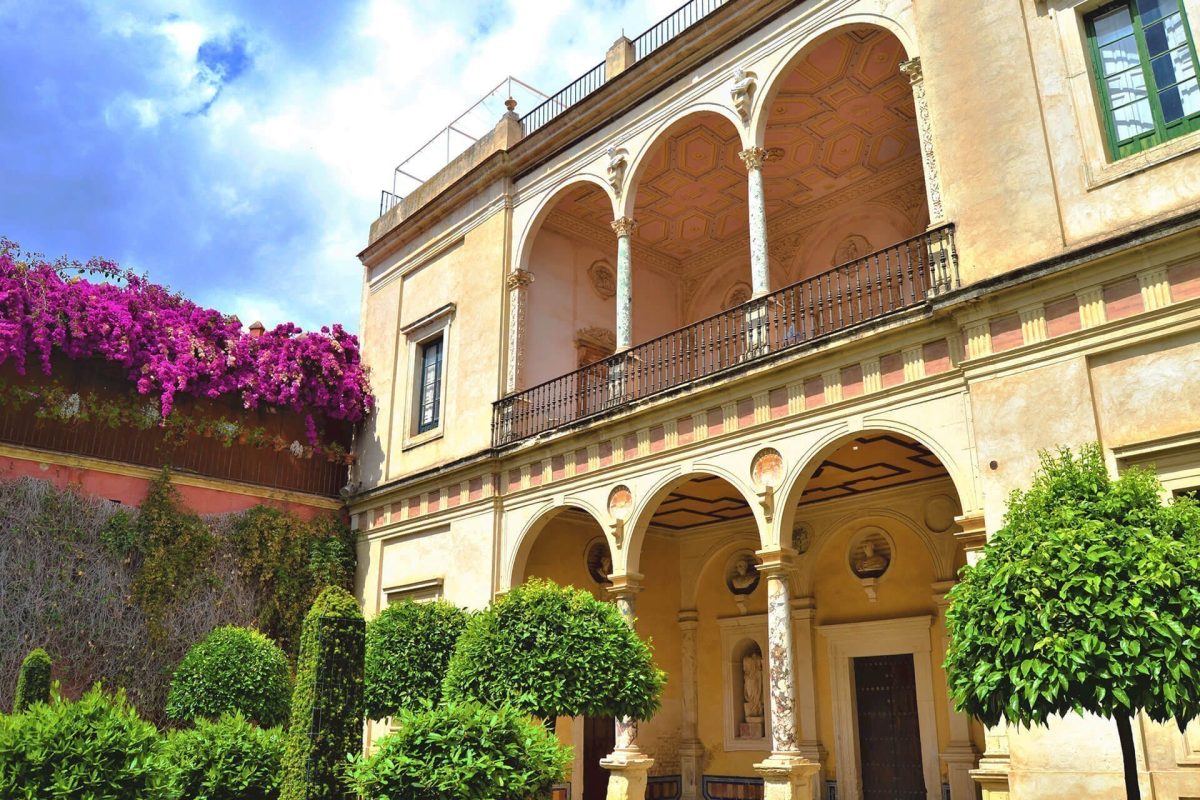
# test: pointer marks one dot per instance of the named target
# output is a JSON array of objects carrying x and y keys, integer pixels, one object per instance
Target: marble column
[
  {"x": 995, "y": 765},
  {"x": 759, "y": 270},
  {"x": 690, "y": 748},
  {"x": 804, "y": 612},
  {"x": 960, "y": 757},
  {"x": 627, "y": 765},
  {"x": 624, "y": 228},
  {"x": 786, "y": 773}
]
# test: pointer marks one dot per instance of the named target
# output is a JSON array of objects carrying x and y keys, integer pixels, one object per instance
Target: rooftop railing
[
  {"x": 655, "y": 37},
  {"x": 868, "y": 288}
]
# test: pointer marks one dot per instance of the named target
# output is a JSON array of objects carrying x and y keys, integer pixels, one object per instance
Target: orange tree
[{"x": 1086, "y": 600}]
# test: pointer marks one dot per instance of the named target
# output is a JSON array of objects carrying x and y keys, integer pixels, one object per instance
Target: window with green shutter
[{"x": 1145, "y": 64}]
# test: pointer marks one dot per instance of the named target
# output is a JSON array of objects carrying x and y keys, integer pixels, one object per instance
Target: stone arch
[
  {"x": 770, "y": 83},
  {"x": 546, "y": 204},
  {"x": 637, "y": 164},
  {"x": 518, "y": 559},
  {"x": 793, "y": 485},
  {"x": 645, "y": 508}
]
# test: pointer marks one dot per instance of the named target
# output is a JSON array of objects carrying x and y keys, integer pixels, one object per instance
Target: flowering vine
[{"x": 170, "y": 346}]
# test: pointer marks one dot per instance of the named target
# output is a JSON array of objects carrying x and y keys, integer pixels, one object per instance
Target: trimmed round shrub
[
  {"x": 326, "y": 725},
  {"x": 95, "y": 749},
  {"x": 232, "y": 670},
  {"x": 554, "y": 651},
  {"x": 226, "y": 759},
  {"x": 462, "y": 751},
  {"x": 33, "y": 682},
  {"x": 408, "y": 649}
]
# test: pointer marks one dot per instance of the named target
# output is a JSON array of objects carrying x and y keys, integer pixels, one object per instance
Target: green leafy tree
[
  {"x": 225, "y": 759},
  {"x": 553, "y": 651},
  {"x": 33, "y": 682},
  {"x": 232, "y": 670},
  {"x": 95, "y": 749},
  {"x": 462, "y": 751},
  {"x": 1086, "y": 600},
  {"x": 326, "y": 723},
  {"x": 408, "y": 650}
]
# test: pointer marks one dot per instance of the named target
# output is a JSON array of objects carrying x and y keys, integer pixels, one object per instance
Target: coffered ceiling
[
  {"x": 844, "y": 115},
  {"x": 865, "y": 464}
]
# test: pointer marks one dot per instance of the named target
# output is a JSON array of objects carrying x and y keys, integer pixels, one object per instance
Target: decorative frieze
[
  {"x": 914, "y": 362},
  {"x": 832, "y": 381},
  {"x": 1156, "y": 289},
  {"x": 1091, "y": 307},
  {"x": 1033, "y": 323},
  {"x": 871, "y": 376},
  {"x": 700, "y": 426},
  {"x": 979, "y": 339}
]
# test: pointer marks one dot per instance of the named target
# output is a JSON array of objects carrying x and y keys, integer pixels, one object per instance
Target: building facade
[{"x": 754, "y": 327}]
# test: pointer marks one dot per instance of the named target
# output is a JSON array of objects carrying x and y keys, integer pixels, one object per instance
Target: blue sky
[{"x": 235, "y": 151}]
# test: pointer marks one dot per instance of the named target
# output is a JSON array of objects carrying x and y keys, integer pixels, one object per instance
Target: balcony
[{"x": 872, "y": 287}]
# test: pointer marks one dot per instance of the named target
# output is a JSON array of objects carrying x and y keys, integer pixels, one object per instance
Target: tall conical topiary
[
  {"x": 327, "y": 703},
  {"x": 33, "y": 682}
]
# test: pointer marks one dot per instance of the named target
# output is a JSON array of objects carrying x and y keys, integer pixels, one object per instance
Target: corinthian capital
[
  {"x": 913, "y": 70},
  {"x": 754, "y": 157},
  {"x": 624, "y": 226},
  {"x": 519, "y": 278}
]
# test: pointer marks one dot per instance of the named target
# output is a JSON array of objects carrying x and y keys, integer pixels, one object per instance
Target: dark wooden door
[
  {"x": 599, "y": 738},
  {"x": 889, "y": 736}
]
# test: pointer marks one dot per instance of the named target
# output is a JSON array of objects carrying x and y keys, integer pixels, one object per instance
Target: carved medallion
[
  {"x": 767, "y": 468},
  {"x": 604, "y": 280}
]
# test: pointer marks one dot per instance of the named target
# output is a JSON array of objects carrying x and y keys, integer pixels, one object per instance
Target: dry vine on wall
[{"x": 118, "y": 595}]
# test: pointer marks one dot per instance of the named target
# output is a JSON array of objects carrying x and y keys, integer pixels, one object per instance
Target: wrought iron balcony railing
[{"x": 871, "y": 287}]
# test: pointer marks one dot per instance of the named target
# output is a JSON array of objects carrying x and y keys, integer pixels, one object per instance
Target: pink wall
[{"x": 131, "y": 491}]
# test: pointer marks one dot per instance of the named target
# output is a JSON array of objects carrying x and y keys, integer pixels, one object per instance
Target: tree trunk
[{"x": 1129, "y": 757}]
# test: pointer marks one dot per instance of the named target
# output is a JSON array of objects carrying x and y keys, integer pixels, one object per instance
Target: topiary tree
[
  {"x": 553, "y": 651},
  {"x": 462, "y": 751},
  {"x": 408, "y": 649},
  {"x": 94, "y": 749},
  {"x": 1086, "y": 600},
  {"x": 326, "y": 722},
  {"x": 33, "y": 682},
  {"x": 232, "y": 670},
  {"x": 226, "y": 759}
]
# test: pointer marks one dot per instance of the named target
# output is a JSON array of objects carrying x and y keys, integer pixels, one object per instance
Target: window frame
[
  {"x": 423, "y": 379},
  {"x": 418, "y": 335},
  {"x": 1163, "y": 131}
]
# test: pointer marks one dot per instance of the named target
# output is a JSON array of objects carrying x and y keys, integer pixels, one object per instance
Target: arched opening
[
  {"x": 571, "y": 254},
  {"x": 873, "y": 521},
  {"x": 844, "y": 176},
  {"x": 568, "y": 546}
]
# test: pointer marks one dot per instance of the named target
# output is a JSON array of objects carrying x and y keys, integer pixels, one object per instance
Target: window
[
  {"x": 1145, "y": 63},
  {"x": 429, "y": 393}
]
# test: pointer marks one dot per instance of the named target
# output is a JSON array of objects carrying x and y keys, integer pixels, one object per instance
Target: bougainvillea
[{"x": 168, "y": 345}]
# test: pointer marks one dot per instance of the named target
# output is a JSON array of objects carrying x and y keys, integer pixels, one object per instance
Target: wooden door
[
  {"x": 599, "y": 738},
  {"x": 889, "y": 735}
]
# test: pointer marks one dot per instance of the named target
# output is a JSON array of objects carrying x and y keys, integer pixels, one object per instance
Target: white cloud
[{"x": 338, "y": 130}]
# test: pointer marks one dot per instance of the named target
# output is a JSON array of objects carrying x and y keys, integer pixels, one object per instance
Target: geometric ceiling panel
[
  {"x": 701, "y": 501},
  {"x": 842, "y": 115},
  {"x": 869, "y": 463}
]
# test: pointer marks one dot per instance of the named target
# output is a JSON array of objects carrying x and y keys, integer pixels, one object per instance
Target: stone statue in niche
[
  {"x": 870, "y": 564},
  {"x": 599, "y": 563},
  {"x": 744, "y": 579},
  {"x": 604, "y": 280},
  {"x": 752, "y": 695}
]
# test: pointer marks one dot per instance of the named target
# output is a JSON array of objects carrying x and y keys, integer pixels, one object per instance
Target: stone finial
[
  {"x": 742, "y": 92},
  {"x": 257, "y": 329},
  {"x": 511, "y": 104}
]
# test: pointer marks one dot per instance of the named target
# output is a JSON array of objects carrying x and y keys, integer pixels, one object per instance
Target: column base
[
  {"x": 814, "y": 752},
  {"x": 627, "y": 771},
  {"x": 992, "y": 777},
  {"x": 960, "y": 760},
  {"x": 690, "y": 769},
  {"x": 787, "y": 776}
]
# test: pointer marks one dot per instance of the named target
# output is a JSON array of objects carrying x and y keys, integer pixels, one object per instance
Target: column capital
[
  {"x": 518, "y": 279},
  {"x": 776, "y": 561},
  {"x": 755, "y": 157},
  {"x": 626, "y": 585},
  {"x": 912, "y": 68},
  {"x": 624, "y": 226}
]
